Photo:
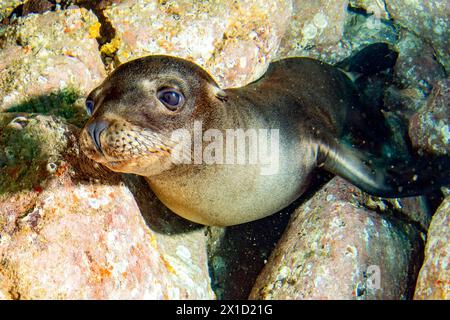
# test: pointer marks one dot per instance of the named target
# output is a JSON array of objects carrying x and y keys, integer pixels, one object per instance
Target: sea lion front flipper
[{"x": 380, "y": 178}]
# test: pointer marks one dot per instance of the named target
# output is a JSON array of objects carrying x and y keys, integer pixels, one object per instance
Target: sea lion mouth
[{"x": 128, "y": 148}]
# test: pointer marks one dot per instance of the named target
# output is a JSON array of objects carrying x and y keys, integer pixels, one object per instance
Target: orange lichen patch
[
  {"x": 104, "y": 273},
  {"x": 26, "y": 49},
  {"x": 99, "y": 273},
  {"x": 441, "y": 283},
  {"x": 167, "y": 265},
  {"x": 62, "y": 168}
]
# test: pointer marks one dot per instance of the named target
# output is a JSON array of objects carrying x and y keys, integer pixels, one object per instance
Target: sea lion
[{"x": 138, "y": 107}]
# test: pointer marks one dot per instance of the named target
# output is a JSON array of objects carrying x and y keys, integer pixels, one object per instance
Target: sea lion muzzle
[{"x": 95, "y": 129}]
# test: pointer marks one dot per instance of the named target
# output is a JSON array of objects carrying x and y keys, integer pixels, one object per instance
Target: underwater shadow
[
  {"x": 157, "y": 216},
  {"x": 243, "y": 250},
  {"x": 23, "y": 145}
]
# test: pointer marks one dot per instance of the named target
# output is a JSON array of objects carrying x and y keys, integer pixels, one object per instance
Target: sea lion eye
[
  {"x": 171, "y": 98},
  {"x": 89, "y": 106}
]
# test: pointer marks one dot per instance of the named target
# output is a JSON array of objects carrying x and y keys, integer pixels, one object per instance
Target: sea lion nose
[{"x": 95, "y": 129}]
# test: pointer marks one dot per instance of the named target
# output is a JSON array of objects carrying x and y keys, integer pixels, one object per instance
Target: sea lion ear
[{"x": 220, "y": 94}]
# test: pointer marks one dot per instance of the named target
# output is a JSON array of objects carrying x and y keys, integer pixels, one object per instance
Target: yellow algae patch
[
  {"x": 94, "y": 30},
  {"x": 168, "y": 265},
  {"x": 153, "y": 241},
  {"x": 111, "y": 47}
]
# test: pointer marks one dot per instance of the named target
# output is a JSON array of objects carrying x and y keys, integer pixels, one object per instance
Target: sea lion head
[{"x": 137, "y": 108}]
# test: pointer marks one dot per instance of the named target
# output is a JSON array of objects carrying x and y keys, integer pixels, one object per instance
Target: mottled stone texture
[
  {"x": 434, "y": 277},
  {"x": 331, "y": 248},
  {"x": 69, "y": 230},
  {"x": 414, "y": 209},
  {"x": 428, "y": 19},
  {"x": 429, "y": 128},
  {"x": 234, "y": 41},
  {"x": 7, "y": 7},
  {"x": 49, "y": 52},
  {"x": 375, "y": 7},
  {"x": 416, "y": 65},
  {"x": 316, "y": 29}
]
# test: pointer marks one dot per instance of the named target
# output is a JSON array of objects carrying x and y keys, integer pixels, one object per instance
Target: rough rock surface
[
  {"x": 65, "y": 236},
  {"x": 434, "y": 277},
  {"x": 428, "y": 19},
  {"x": 335, "y": 249},
  {"x": 416, "y": 73},
  {"x": 361, "y": 30},
  {"x": 416, "y": 65},
  {"x": 415, "y": 209},
  {"x": 377, "y": 8},
  {"x": 316, "y": 30},
  {"x": 374, "y": 7},
  {"x": 234, "y": 41},
  {"x": 429, "y": 128},
  {"x": 49, "y": 52},
  {"x": 7, "y": 7}
]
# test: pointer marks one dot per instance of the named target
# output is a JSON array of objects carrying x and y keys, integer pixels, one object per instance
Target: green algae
[
  {"x": 64, "y": 103},
  {"x": 30, "y": 142}
]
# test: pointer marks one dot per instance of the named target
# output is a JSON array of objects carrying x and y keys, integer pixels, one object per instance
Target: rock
[
  {"x": 333, "y": 248},
  {"x": 416, "y": 65},
  {"x": 403, "y": 103},
  {"x": 315, "y": 30},
  {"x": 434, "y": 277},
  {"x": 427, "y": 19},
  {"x": 7, "y": 7},
  {"x": 362, "y": 30},
  {"x": 69, "y": 230},
  {"x": 429, "y": 128},
  {"x": 374, "y": 7},
  {"x": 49, "y": 52},
  {"x": 37, "y": 6},
  {"x": 413, "y": 209},
  {"x": 234, "y": 41}
]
